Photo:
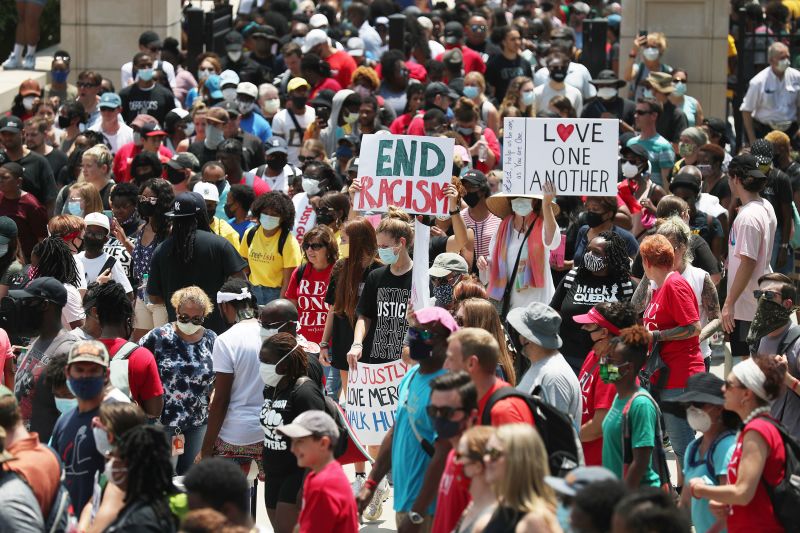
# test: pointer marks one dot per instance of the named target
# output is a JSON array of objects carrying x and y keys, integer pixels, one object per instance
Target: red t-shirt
[
  {"x": 310, "y": 297},
  {"x": 342, "y": 67},
  {"x": 758, "y": 515},
  {"x": 453, "y": 496},
  {"x": 417, "y": 125},
  {"x": 472, "y": 60},
  {"x": 400, "y": 124},
  {"x": 124, "y": 156},
  {"x": 508, "y": 411},
  {"x": 328, "y": 503},
  {"x": 143, "y": 378},
  {"x": 31, "y": 219},
  {"x": 415, "y": 71},
  {"x": 596, "y": 395},
  {"x": 327, "y": 83},
  {"x": 674, "y": 304}
]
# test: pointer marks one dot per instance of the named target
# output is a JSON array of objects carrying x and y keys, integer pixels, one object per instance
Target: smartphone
[
  {"x": 110, "y": 216},
  {"x": 642, "y": 33}
]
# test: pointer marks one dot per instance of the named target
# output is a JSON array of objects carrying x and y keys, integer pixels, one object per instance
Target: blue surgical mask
[
  {"x": 269, "y": 222},
  {"x": 145, "y": 74},
  {"x": 86, "y": 388},
  {"x": 59, "y": 76},
  {"x": 74, "y": 208},
  {"x": 527, "y": 98},
  {"x": 647, "y": 93},
  {"x": 680, "y": 88},
  {"x": 388, "y": 255},
  {"x": 65, "y": 405},
  {"x": 471, "y": 92}
]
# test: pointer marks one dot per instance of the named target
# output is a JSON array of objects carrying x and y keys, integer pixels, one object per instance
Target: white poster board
[
  {"x": 372, "y": 392},
  {"x": 579, "y": 155},
  {"x": 420, "y": 279},
  {"x": 406, "y": 171}
]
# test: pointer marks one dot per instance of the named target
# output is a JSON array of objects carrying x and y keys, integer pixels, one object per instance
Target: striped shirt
[{"x": 484, "y": 231}]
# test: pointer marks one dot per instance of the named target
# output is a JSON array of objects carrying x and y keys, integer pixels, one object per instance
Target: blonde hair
[
  {"x": 101, "y": 155},
  {"x": 397, "y": 224},
  {"x": 674, "y": 227},
  {"x": 480, "y": 313},
  {"x": 523, "y": 488},
  {"x": 92, "y": 203},
  {"x": 478, "y": 78},
  {"x": 193, "y": 294},
  {"x": 659, "y": 38}
]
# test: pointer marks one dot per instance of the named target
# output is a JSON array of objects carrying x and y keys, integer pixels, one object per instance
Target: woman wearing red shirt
[
  {"x": 759, "y": 458},
  {"x": 317, "y": 72},
  {"x": 673, "y": 318},
  {"x": 481, "y": 141},
  {"x": 414, "y": 100},
  {"x": 602, "y": 322}
]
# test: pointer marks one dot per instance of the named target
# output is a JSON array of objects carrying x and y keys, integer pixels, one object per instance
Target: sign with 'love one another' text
[
  {"x": 406, "y": 171},
  {"x": 372, "y": 399},
  {"x": 578, "y": 155}
]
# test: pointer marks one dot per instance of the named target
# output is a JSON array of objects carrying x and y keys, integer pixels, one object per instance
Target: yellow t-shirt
[
  {"x": 266, "y": 264},
  {"x": 224, "y": 230}
]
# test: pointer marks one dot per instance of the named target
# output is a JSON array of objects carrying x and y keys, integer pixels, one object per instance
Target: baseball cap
[
  {"x": 686, "y": 179},
  {"x": 88, "y": 351},
  {"x": 438, "y": 87},
  {"x": 110, "y": 101},
  {"x": 425, "y": 22},
  {"x": 212, "y": 86},
  {"x": 355, "y": 46},
  {"x": 97, "y": 219},
  {"x": 141, "y": 120},
  {"x": 185, "y": 206},
  {"x": 217, "y": 115},
  {"x": 318, "y": 20},
  {"x": 324, "y": 98},
  {"x": 762, "y": 151},
  {"x": 453, "y": 57},
  {"x": 276, "y": 145},
  {"x": 181, "y": 161},
  {"x": 428, "y": 315},
  {"x": 11, "y": 123},
  {"x": 207, "y": 190},
  {"x": 233, "y": 41},
  {"x": 150, "y": 39},
  {"x": 595, "y": 317},
  {"x": 382, "y": 21},
  {"x": 717, "y": 125},
  {"x": 475, "y": 177},
  {"x": 579, "y": 478},
  {"x": 746, "y": 164},
  {"x": 314, "y": 38},
  {"x": 30, "y": 87},
  {"x": 152, "y": 129},
  {"x": 581, "y": 7},
  {"x": 296, "y": 83},
  {"x": 230, "y": 107},
  {"x": 248, "y": 89},
  {"x": 8, "y": 230},
  {"x": 636, "y": 149},
  {"x": 453, "y": 32},
  {"x": 311, "y": 423},
  {"x": 538, "y": 323},
  {"x": 261, "y": 30},
  {"x": 447, "y": 263},
  {"x": 45, "y": 287},
  {"x": 228, "y": 77}
]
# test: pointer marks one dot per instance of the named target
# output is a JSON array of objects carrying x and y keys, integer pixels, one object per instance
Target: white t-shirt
[
  {"x": 126, "y": 72},
  {"x": 123, "y": 136},
  {"x": 73, "y": 311},
  {"x": 283, "y": 126},
  {"x": 544, "y": 93},
  {"x": 236, "y": 352},
  {"x": 92, "y": 268},
  {"x": 281, "y": 181},
  {"x": 81, "y": 272},
  {"x": 773, "y": 100},
  {"x": 560, "y": 386},
  {"x": 578, "y": 76}
]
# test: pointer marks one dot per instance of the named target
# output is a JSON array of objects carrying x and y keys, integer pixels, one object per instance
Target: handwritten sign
[
  {"x": 305, "y": 217},
  {"x": 406, "y": 171},
  {"x": 578, "y": 155},
  {"x": 420, "y": 279},
  {"x": 372, "y": 399}
]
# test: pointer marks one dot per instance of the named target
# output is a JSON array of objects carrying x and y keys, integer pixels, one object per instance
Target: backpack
[
  {"x": 119, "y": 367},
  {"x": 785, "y": 496},
  {"x": 709, "y": 460},
  {"x": 59, "y": 519},
  {"x": 658, "y": 458},
  {"x": 556, "y": 428},
  {"x": 251, "y": 233},
  {"x": 332, "y": 408}
]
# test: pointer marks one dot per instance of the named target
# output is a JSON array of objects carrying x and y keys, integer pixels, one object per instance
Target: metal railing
[{"x": 206, "y": 30}]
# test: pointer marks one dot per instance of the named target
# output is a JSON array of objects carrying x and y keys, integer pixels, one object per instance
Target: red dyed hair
[{"x": 657, "y": 251}]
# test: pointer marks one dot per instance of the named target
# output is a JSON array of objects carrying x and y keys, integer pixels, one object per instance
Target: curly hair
[
  {"x": 55, "y": 260},
  {"x": 54, "y": 375},
  {"x": 619, "y": 264},
  {"x": 635, "y": 341},
  {"x": 165, "y": 197},
  {"x": 192, "y": 294},
  {"x": 113, "y": 305},
  {"x": 621, "y": 314},
  {"x": 275, "y": 201},
  {"x": 281, "y": 344}
]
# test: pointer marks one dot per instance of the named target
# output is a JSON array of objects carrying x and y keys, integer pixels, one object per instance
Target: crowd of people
[{"x": 188, "y": 287}]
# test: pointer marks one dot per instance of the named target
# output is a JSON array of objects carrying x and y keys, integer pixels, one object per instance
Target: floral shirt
[
  {"x": 142, "y": 257},
  {"x": 187, "y": 374}
]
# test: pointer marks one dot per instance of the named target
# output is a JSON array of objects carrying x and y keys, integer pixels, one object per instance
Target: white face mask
[
  {"x": 629, "y": 170},
  {"x": 310, "y": 187},
  {"x": 229, "y": 94},
  {"x": 522, "y": 206},
  {"x": 351, "y": 118},
  {"x": 527, "y": 97},
  {"x": 782, "y": 65},
  {"x": 651, "y": 53},
  {"x": 269, "y": 374},
  {"x": 698, "y": 419},
  {"x": 188, "y": 328},
  {"x": 235, "y": 56},
  {"x": 202, "y": 74},
  {"x": 272, "y": 106},
  {"x": 244, "y": 107},
  {"x": 189, "y": 131},
  {"x": 101, "y": 441},
  {"x": 607, "y": 93},
  {"x": 27, "y": 102},
  {"x": 266, "y": 333},
  {"x": 269, "y": 222},
  {"x": 112, "y": 473}
]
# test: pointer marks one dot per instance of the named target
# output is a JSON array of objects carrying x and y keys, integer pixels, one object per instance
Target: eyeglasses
[
  {"x": 313, "y": 245},
  {"x": 196, "y": 320},
  {"x": 493, "y": 454},
  {"x": 435, "y": 411},
  {"x": 769, "y": 295},
  {"x": 85, "y": 85},
  {"x": 641, "y": 112},
  {"x": 152, "y": 200},
  {"x": 305, "y": 158},
  {"x": 444, "y": 280}
]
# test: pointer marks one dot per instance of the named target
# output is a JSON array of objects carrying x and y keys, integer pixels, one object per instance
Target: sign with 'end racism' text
[
  {"x": 578, "y": 155},
  {"x": 409, "y": 172}
]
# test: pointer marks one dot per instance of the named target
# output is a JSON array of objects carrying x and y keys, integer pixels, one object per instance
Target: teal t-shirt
[
  {"x": 661, "y": 155},
  {"x": 642, "y": 418},
  {"x": 695, "y": 466}
]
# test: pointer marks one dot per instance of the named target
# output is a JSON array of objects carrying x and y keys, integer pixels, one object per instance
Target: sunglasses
[
  {"x": 316, "y": 246},
  {"x": 84, "y": 85},
  {"x": 444, "y": 280},
  {"x": 493, "y": 454},
  {"x": 641, "y": 112},
  {"x": 435, "y": 411},
  {"x": 305, "y": 158},
  {"x": 470, "y": 457},
  {"x": 769, "y": 295},
  {"x": 478, "y": 27},
  {"x": 419, "y": 334},
  {"x": 196, "y": 320},
  {"x": 731, "y": 385}
]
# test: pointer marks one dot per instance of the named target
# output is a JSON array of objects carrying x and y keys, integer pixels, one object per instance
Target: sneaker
[
  {"x": 358, "y": 484},
  {"x": 29, "y": 63},
  {"x": 12, "y": 62},
  {"x": 375, "y": 507}
]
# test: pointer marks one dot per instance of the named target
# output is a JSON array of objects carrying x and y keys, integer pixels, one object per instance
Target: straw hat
[{"x": 500, "y": 204}]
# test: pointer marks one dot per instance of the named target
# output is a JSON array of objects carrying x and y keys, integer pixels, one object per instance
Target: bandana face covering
[{"x": 769, "y": 316}]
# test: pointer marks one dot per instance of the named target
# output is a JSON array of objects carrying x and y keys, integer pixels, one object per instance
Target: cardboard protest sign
[
  {"x": 579, "y": 155},
  {"x": 406, "y": 171},
  {"x": 372, "y": 399},
  {"x": 305, "y": 217}
]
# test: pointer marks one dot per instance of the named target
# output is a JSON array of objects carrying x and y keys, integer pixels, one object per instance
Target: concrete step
[{"x": 10, "y": 80}]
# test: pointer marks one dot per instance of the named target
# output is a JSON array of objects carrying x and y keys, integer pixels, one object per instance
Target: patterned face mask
[{"x": 593, "y": 263}]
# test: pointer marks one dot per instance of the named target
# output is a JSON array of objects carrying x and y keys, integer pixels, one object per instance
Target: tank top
[{"x": 503, "y": 520}]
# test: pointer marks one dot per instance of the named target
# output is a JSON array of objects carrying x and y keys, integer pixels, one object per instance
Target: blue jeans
[
  {"x": 265, "y": 295},
  {"x": 677, "y": 428},
  {"x": 191, "y": 446},
  {"x": 333, "y": 382}
]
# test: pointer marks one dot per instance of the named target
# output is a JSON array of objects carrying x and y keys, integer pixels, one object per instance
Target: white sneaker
[
  {"x": 29, "y": 63},
  {"x": 358, "y": 484},
  {"x": 375, "y": 507},
  {"x": 12, "y": 62}
]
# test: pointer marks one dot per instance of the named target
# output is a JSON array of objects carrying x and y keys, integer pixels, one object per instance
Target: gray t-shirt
[
  {"x": 20, "y": 511},
  {"x": 559, "y": 385},
  {"x": 786, "y": 408}
]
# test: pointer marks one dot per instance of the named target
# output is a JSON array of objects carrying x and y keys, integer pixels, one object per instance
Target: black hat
[
  {"x": 762, "y": 151},
  {"x": 181, "y": 161},
  {"x": 438, "y": 87},
  {"x": 276, "y": 145},
  {"x": 185, "y": 206},
  {"x": 686, "y": 179},
  {"x": 475, "y": 177},
  {"x": 261, "y": 30},
  {"x": 747, "y": 165},
  {"x": 150, "y": 39},
  {"x": 11, "y": 123},
  {"x": 718, "y": 126},
  {"x": 45, "y": 287},
  {"x": 324, "y": 98},
  {"x": 636, "y": 149},
  {"x": 704, "y": 387},
  {"x": 453, "y": 32},
  {"x": 608, "y": 78},
  {"x": 233, "y": 41}
]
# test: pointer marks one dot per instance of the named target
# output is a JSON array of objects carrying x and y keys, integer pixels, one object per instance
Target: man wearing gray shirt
[{"x": 550, "y": 374}]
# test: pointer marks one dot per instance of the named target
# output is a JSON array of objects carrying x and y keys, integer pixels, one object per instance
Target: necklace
[{"x": 754, "y": 413}]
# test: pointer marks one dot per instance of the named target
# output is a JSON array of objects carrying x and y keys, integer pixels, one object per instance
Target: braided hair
[
  {"x": 55, "y": 260},
  {"x": 113, "y": 305},
  {"x": 184, "y": 230},
  {"x": 619, "y": 264},
  {"x": 247, "y": 308},
  {"x": 146, "y": 453}
]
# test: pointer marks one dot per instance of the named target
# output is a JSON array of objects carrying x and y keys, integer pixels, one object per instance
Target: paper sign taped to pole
[
  {"x": 372, "y": 399},
  {"x": 410, "y": 172},
  {"x": 578, "y": 155}
]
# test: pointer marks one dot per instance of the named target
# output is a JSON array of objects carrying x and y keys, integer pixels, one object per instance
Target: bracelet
[
  {"x": 371, "y": 484},
  {"x": 356, "y": 345},
  {"x": 452, "y": 213},
  {"x": 324, "y": 344}
]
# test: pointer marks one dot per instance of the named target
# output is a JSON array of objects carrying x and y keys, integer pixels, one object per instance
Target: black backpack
[
  {"x": 251, "y": 233},
  {"x": 785, "y": 496},
  {"x": 556, "y": 428},
  {"x": 332, "y": 408}
]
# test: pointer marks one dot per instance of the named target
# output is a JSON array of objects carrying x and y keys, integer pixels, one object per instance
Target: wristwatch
[
  {"x": 323, "y": 344},
  {"x": 456, "y": 212},
  {"x": 415, "y": 518}
]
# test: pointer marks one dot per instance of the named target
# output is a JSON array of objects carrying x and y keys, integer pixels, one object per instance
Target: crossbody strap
[{"x": 512, "y": 276}]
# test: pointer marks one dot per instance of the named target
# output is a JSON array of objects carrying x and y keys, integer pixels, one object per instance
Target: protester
[
  {"x": 477, "y": 312},
  {"x": 220, "y": 485}
]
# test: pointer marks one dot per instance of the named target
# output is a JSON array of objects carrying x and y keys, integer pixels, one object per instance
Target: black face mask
[
  {"x": 277, "y": 163},
  {"x": 446, "y": 428},
  {"x": 299, "y": 102},
  {"x": 558, "y": 75},
  {"x": 221, "y": 185},
  {"x": 146, "y": 209},
  {"x": 63, "y": 122},
  {"x": 211, "y": 213},
  {"x": 132, "y": 224},
  {"x": 229, "y": 212},
  {"x": 93, "y": 244},
  {"x": 594, "y": 219},
  {"x": 175, "y": 176},
  {"x": 472, "y": 198}
]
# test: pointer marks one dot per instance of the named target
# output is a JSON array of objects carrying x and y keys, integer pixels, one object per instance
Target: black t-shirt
[
  {"x": 384, "y": 301},
  {"x": 486, "y": 49},
  {"x": 671, "y": 122},
  {"x": 342, "y": 335},
  {"x": 500, "y": 71},
  {"x": 246, "y": 68},
  {"x": 57, "y": 160},
  {"x": 282, "y": 407},
  {"x": 37, "y": 177},
  {"x": 778, "y": 191},
  {"x": 253, "y": 154},
  {"x": 576, "y": 295},
  {"x": 156, "y": 102},
  {"x": 202, "y": 152},
  {"x": 700, "y": 226},
  {"x": 721, "y": 189},
  {"x": 703, "y": 257},
  {"x": 619, "y": 107},
  {"x": 213, "y": 261}
]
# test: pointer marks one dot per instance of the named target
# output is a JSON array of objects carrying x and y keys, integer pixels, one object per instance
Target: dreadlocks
[
  {"x": 113, "y": 305},
  {"x": 55, "y": 260},
  {"x": 245, "y": 309},
  {"x": 184, "y": 230},
  {"x": 146, "y": 454},
  {"x": 619, "y": 264}
]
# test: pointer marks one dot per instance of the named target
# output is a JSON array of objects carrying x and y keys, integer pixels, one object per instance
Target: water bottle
[{"x": 143, "y": 287}]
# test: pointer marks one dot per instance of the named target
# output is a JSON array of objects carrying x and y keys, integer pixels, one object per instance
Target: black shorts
[
  {"x": 738, "y": 339},
  {"x": 283, "y": 487}
]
